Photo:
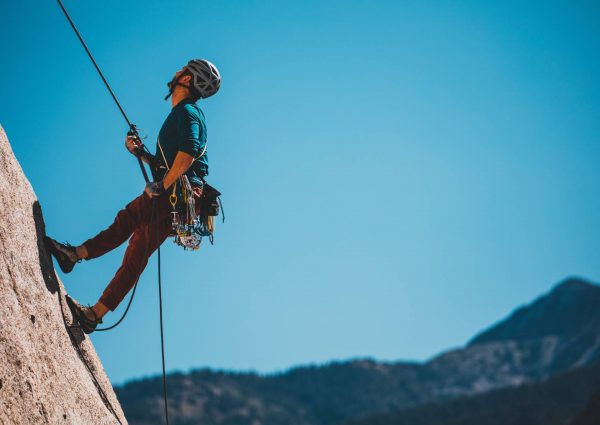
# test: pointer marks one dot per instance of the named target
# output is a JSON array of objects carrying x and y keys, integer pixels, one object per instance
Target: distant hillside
[
  {"x": 572, "y": 306},
  {"x": 302, "y": 396},
  {"x": 555, "y": 401},
  {"x": 556, "y": 333}
]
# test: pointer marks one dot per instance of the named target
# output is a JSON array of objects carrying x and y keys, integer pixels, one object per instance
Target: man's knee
[{"x": 136, "y": 213}]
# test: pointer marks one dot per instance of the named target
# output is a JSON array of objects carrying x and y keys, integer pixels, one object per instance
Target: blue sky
[{"x": 396, "y": 175}]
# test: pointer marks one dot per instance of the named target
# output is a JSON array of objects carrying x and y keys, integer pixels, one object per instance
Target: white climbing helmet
[{"x": 206, "y": 79}]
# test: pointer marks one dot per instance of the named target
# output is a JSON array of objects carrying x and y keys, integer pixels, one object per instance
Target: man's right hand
[{"x": 133, "y": 144}]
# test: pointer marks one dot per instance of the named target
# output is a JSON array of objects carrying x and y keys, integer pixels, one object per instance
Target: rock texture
[{"x": 49, "y": 374}]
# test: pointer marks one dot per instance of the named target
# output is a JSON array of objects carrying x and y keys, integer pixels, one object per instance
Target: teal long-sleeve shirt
[{"x": 184, "y": 130}]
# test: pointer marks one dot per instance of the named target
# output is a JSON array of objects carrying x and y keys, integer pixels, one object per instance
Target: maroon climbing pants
[{"x": 146, "y": 227}]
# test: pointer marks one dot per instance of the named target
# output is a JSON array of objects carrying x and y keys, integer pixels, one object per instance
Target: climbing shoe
[
  {"x": 65, "y": 254},
  {"x": 82, "y": 315}
]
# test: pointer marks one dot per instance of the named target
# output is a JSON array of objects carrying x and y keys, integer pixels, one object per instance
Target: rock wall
[{"x": 49, "y": 373}]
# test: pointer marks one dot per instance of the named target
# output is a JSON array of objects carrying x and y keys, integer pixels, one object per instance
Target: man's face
[{"x": 174, "y": 79}]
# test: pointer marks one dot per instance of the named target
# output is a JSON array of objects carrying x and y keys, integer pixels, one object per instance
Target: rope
[
  {"x": 132, "y": 127},
  {"x": 103, "y": 395},
  {"x": 162, "y": 340},
  {"x": 160, "y": 309},
  {"x": 154, "y": 209}
]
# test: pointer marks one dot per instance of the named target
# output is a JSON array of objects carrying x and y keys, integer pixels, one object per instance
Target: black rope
[
  {"x": 74, "y": 342},
  {"x": 162, "y": 340},
  {"x": 139, "y": 274},
  {"x": 153, "y": 218},
  {"x": 132, "y": 127},
  {"x": 133, "y": 130}
]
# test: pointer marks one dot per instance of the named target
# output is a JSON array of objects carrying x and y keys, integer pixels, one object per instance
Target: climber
[{"x": 181, "y": 150}]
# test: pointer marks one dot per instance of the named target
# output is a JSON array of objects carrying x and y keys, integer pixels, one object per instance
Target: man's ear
[{"x": 185, "y": 78}]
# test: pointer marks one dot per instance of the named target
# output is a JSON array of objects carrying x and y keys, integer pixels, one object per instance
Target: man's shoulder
[{"x": 192, "y": 110}]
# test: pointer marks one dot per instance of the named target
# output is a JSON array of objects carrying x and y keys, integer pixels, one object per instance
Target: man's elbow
[{"x": 184, "y": 158}]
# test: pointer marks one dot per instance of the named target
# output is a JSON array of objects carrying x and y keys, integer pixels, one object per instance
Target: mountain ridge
[
  {"x": 524, "y": 322},
  {"x": 566, "y": 398},
  {"x": 339, "y": 391}
]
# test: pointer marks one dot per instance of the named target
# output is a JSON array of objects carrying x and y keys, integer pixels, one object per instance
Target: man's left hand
[{"x": 154, "y": 189}]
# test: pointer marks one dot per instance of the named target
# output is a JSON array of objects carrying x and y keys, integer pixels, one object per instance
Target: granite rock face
[{"x": 49, "y": 373}]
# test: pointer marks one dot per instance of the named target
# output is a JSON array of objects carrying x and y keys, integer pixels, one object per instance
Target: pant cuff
[
  {"x": 109, "y": 301},
  {"x": 90, "y": 250}
]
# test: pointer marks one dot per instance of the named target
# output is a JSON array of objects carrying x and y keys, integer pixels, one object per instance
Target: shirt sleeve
[{"x": 188, "y": 134}]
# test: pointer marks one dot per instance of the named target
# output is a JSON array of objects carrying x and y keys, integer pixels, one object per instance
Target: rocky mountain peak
[
  {"x": 571, "y": 307},
  {"x": 574, "y": 286}
]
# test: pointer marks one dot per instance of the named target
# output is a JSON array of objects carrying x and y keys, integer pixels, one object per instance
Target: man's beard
[
  {"x": 171, "y": 84},
  {"x": 175, "y": 82}
]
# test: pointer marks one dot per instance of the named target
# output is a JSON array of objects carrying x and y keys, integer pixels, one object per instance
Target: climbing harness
[{"x": 188, "y": 227}]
